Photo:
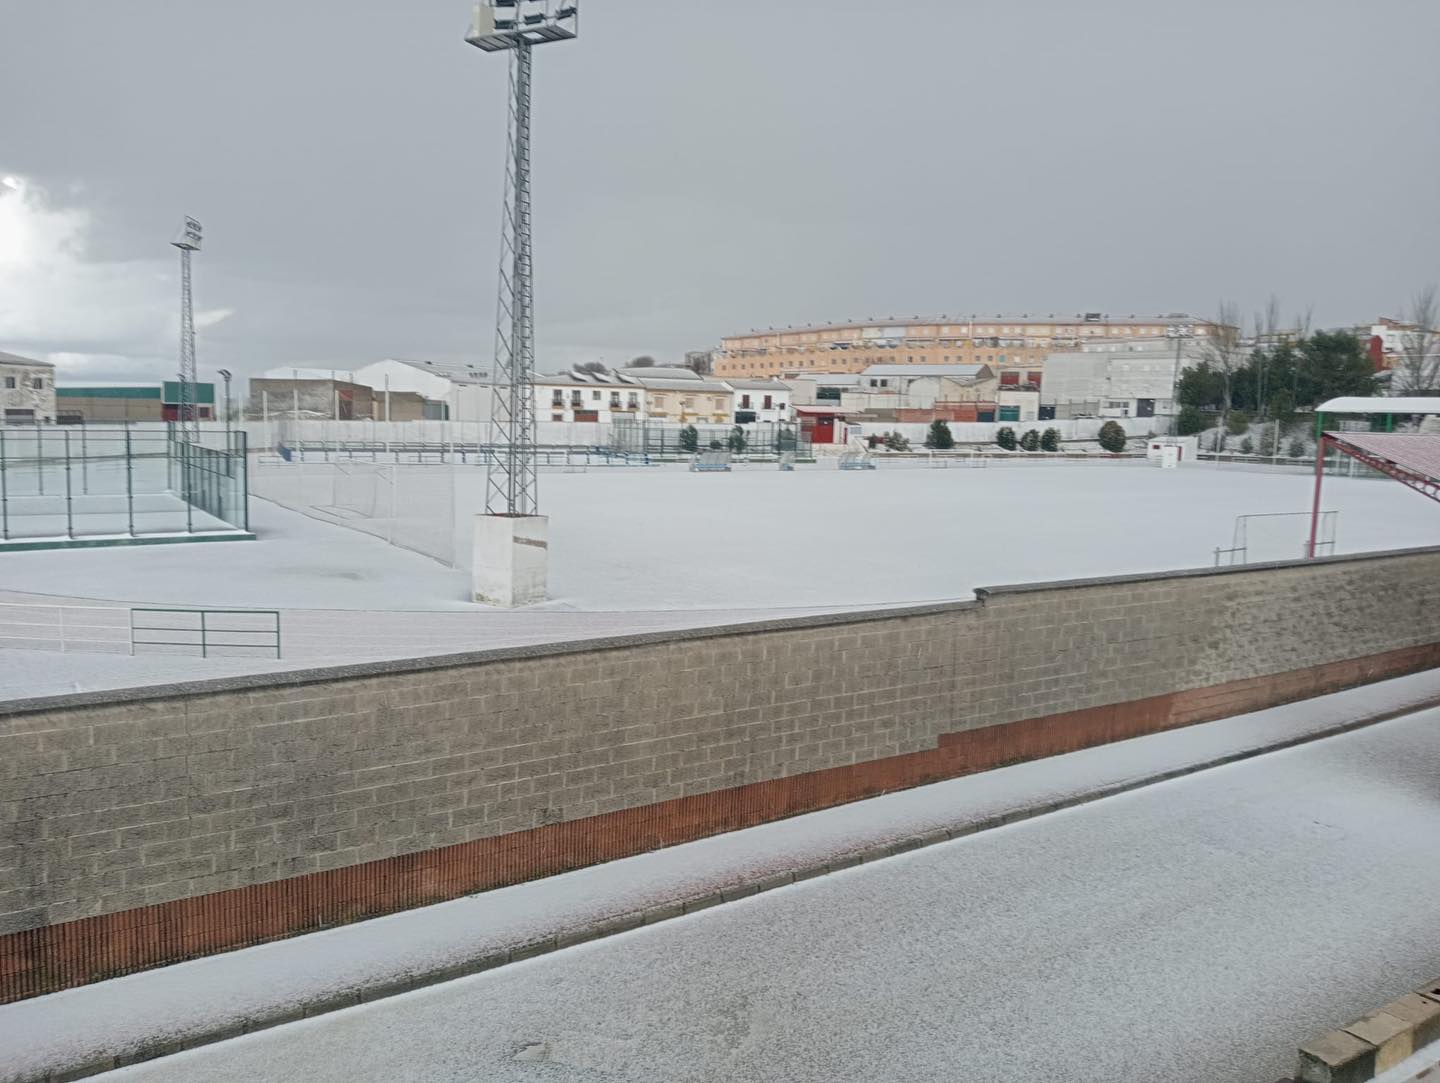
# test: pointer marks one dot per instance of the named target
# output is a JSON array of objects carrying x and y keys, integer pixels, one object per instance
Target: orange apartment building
[{"x": 1005, "y": 343}]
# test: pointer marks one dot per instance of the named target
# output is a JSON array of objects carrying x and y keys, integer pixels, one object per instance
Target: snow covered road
[{"x": 1196, "y": 930}]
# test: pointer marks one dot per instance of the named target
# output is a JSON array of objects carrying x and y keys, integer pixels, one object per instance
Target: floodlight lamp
[
  {"x": 189, "y": 236},
  {"x": 506, "y": 24}
]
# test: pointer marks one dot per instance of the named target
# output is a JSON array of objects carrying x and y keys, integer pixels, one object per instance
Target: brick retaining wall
[{"x": 138, "y": 829}]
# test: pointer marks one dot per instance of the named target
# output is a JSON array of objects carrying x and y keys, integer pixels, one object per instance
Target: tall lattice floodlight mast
[
  {"x": 517, "y": 26},
  {"x": 188, "y": 241}
]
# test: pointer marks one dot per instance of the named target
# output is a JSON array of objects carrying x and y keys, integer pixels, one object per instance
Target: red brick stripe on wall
[{"x": 60, "y": 956}]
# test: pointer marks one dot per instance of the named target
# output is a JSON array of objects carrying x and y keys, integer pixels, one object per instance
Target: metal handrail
[{"x": 206, "y": 630}]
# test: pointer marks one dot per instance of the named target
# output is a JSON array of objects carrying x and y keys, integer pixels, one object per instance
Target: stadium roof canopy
[{"x": 1357, "y": 404}]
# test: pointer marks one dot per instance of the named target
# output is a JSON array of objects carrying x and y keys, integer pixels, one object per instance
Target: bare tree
[
  {"x": 1223, "y": 346},
  {"x": 1267, "y": 328},
  {"x": 644, "y": 361},
  {"x": 1419, "y": 363},
  {"x": 699, "y": 361}
]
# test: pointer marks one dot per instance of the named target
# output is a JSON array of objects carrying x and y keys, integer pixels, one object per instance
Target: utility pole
[{"x": 188, "y": 241}]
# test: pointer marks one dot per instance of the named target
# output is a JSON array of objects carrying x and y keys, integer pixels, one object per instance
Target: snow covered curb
[
  {"x": 88, "y": 1030},
  {"x": 1388, "y": 1038}
]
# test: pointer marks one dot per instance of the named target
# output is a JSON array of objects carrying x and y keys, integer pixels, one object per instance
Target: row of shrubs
[{"x": 1112, "y": 438}]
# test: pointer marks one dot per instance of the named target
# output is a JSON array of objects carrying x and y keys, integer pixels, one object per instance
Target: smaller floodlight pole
[
  {"x": 187, "y": 242},
  {"x": 1179, "y": 332}
]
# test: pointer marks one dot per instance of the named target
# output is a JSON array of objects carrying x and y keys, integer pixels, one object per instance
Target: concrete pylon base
[{"x": 512, "y": 559}]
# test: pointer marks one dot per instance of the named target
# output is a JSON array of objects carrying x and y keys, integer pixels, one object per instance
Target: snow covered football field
[{"x": 635, "y": 549}]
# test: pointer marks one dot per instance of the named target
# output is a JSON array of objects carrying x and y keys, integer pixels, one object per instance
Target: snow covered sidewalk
[{"x": 128, "y": 1019}]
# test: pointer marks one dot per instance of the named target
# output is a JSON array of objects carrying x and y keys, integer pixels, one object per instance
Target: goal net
[{"x": 1277, "y": 536}]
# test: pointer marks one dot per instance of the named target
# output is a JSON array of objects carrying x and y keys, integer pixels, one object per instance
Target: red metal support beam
[
  {"x": 1421, "y": 483},
  {"x": 1315, "y": 506}
]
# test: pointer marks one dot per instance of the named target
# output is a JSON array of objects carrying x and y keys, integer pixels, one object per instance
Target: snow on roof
[
  {"x": 969, "y": 371},
  {"x": 297, "y": 373},
  {"x": 668, "y": 384},
  {"x": 1417, "y": 453},
  {"x": 663, "y": 372},
  {"x": 1356, "y": 404},
  {"x": 16, "y": 359},
  {"x": 826, "y": 379},
  {"x": 903, "y": 323},
  {"x": 458, "y": 371},
  {"x": 757, "y": 385}
]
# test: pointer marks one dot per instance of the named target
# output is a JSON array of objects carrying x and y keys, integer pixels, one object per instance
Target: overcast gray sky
[{"x": 701, "y": 168}]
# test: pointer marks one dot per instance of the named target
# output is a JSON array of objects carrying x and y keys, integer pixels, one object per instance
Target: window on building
[
  {"x": 768, "y": 403},
  {"x": 595, "y": 396},
  {"x": 614, "y": 400},
  {"x": 10, "y": 383},
  {"x": 557, "y": 397},
  {"x": 577, "y": 398},
  {"x": 557, "y": 417},
  {"x": 634, "y": 398},
  {"x": 37, "y": 382},
  {"x": 744, "y": 402}
]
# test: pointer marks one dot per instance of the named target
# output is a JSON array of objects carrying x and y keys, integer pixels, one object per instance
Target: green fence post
[
  {"x": 186, "y": 474},
  {"x": 40, "y": 458},
  {"x": 129, "y": 485},
  {"x": 84, "y": 461},
  {"x": 69, "y": 510},
  {"x": 204, "y": 647},
  {"x": 242, "y": 449},
  {"x": 4, "y": 493}
]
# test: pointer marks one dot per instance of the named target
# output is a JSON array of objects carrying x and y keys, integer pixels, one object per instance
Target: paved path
[{"x": 1195, "y": 930}]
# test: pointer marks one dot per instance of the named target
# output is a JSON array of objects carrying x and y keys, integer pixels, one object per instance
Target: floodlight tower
[
  {"x": 511, "y": 554},
  {"x": 516, "y": 27},
  {"x": 188, "y": 241}
]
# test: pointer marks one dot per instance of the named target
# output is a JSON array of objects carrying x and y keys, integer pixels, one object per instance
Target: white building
[
  {"x": 920, "y": 387},
  {"x": 459, "y": 392},
  {"x": 1115, "y": 380},
  {"x": 601, "y": 397},
  {"x": 760, "y": 400},
  {"x": 27, "y": 390}
]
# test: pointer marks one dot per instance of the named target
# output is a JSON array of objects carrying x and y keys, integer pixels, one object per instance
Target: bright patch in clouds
[{"x": 97, "y": 320}]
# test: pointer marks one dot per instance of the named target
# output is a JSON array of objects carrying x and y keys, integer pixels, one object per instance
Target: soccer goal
[{"x": 1282, "y": 535}]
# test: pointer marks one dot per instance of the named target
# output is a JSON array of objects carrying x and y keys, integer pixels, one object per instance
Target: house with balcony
[
  {"x": 760, "y": 401},
  {"x": 683, "y": 400},
  {"x": 597, "y": 397}
]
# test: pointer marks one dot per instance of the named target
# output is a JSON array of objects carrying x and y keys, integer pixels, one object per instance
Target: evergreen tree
[
  {"x": 1190, "y": 421},
  {"x": 939, "y": 436},
  {"x": 1005, "y": 437},
  {"x": 1030, "y": 441},
  {"x": 1050, "y": 440},
  {"x": 1112, "y": 437},
  {"x": 896, "y": 442},
  {"x": 689, "y": 438}
]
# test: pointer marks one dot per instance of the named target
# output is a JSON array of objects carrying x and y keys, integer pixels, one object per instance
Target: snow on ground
[
  {"x": 77, "y": 1025},
  {"x": 1194, "y": 931},
  {"x": 633, "y": 549}
]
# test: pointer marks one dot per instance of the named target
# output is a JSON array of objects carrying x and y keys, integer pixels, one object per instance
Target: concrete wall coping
[
  {"x": 982, "y": 593},
  {"x": 316, "y": 675}
]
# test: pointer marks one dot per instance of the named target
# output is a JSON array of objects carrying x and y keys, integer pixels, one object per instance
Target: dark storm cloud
[{"x": 705, "y": 168}]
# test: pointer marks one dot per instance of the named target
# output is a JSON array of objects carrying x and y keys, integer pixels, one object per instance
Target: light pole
[
  {"x": 516, "y": 26},
  {"x": 188, "y": 241},
  {"x": 1179, "y": 332},
  {"x": 225, "y": 375}
]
